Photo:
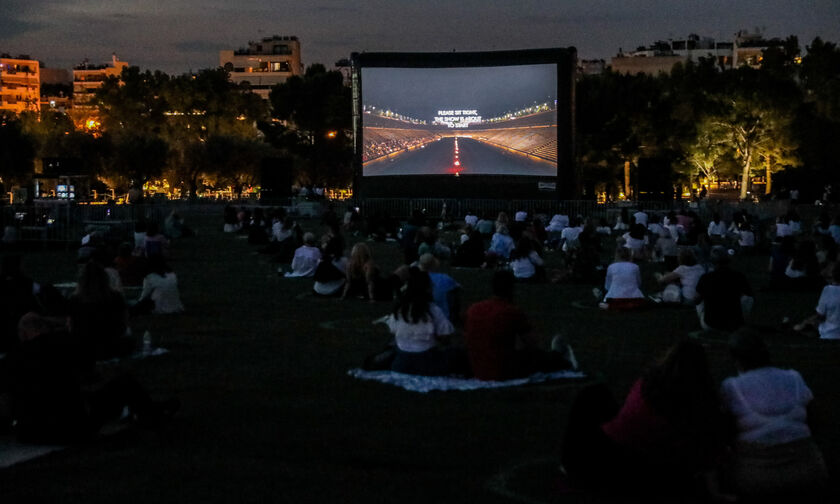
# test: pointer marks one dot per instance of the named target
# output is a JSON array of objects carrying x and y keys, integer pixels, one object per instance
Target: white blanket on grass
[{"x": 424, "y": 384}]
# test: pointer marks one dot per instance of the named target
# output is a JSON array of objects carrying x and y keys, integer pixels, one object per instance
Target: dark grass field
[{"x": 269, "y": 414}]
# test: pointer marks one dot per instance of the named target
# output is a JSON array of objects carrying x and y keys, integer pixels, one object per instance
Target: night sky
[
  {"x": 421, "y": 92},
  {"x": 181, "y": 35}
]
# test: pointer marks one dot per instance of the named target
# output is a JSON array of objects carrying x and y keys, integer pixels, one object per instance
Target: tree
[
  {"x": 705, "y": 149},
  {"x": 138, "y": 159},
  {"x": 317, "y": 107},
  {"x": 17, "y": 152}
]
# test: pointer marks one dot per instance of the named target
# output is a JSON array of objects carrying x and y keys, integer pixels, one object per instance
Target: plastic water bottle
[{"x": 147, "y": 343}]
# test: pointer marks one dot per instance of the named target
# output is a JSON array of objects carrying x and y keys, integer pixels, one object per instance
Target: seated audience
[
  {"x": 160, "y": 290},
  {"x": 499, "y": 342},
  {"x": 331, "y": 273},
  {"x": 501, "y": 245},
  {"x": 306, "y": 258},
  {"x": 657, "y": 443},
  {"x": 155, "y": 244},
  {"x": 525, "y": 262},
  {"x": 421, "y": 332},
  {"x": 470, "y": 254},
  {"x": 681, "y": 284},
  {"x": 99, "y": 315},
  {"x": 773, "y": 454},
  {"x": 57, "y": 401},
  {"x": 130, "y": 268},
  {"x": 362, "y": 277},
  {"x": 723, "y": 295},
  {"x": 827, "y": 316},
  {"x": 446, "y": 292},
  {"x": 623, "y": 282}
]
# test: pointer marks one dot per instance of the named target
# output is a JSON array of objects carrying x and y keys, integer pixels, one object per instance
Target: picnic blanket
[{"x": 424, "y": 384}]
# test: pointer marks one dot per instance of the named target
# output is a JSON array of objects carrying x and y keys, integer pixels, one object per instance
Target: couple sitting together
[{"x": 498, "y": 344}]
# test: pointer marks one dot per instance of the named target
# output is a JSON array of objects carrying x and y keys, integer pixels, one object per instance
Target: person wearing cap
[
  {"x": 446, "y": 292},
  {"x": 723, "y": 295}
]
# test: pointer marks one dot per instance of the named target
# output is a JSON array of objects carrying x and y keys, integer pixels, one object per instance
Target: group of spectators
[
  {"x": 747, "y": 437},
  {"x": 54, "y": 345}
]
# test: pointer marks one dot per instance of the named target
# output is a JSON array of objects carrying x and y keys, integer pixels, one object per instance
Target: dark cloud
[{"x": 200, "y": 46}]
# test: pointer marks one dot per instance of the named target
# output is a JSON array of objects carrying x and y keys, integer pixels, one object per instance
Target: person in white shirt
[
  {"x": 717, "y": 230},
  {"x": 623, "y": 283},
  {"x": 827, "y": 316},
  {"x": 746, "y": 237},
  {"x": 569, "y": 236},
  {"x": 421, "y": 331},
  {"x": 501, "y": 244},
  {"x": 641, "y": 218},
  {"x": 525, "y": 262},
  {"x": 160, "y": 287},
  {"x": 773, "y": 451},
  {"x": 783, "y": 227},
  {"x": 681, "y": 284},
  {"x": 471, "y": 219},
  {"x": 306, "y": 258}
]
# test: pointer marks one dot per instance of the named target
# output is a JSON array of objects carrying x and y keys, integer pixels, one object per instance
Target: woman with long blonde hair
[{"x": 363, "y": 280}]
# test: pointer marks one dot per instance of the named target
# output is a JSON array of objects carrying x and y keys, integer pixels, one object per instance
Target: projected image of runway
[{"x": 472, "y": 158}]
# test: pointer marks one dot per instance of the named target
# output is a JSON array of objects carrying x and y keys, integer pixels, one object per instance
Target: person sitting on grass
[
  {"x": 623, "y": 283},
  {"x": 331, "y": 272},
  {"x": 636, "y": 240},
  {"x": 446, "y": 292},
  {"x": 131, "y": 268},
  {"x": 160, "y": 290},
  {"x": 774, "y": 455},
  {"x": 155, "y": 244},
  {"x": 422, "y": 331},
  {"x": 681, "y": 284},
  {"x": 499, "y": 342},
  {"x": 470, "y": 254},
  {"x": 306, "y": 258},
  {"x": 99, "y": 315},
  {"x": 665, "y": 434},
  {"x": 827, "y": 316},
  {"x": 525, "y": 262},
  {"x": 57, "y": 401},
  {"x": 724, "y": 295},
  {"x": 665, "y": 249},
  {"x": 362, "y": 277},
  {"x": 501, "y": 245}
]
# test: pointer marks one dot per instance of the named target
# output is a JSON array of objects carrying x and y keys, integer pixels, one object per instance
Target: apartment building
[
  {"x": 20, "y": 84},
  {"x": 264, "y": 63}
]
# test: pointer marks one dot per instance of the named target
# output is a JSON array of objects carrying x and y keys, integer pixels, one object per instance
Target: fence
[{"x": 64, "y": 222}]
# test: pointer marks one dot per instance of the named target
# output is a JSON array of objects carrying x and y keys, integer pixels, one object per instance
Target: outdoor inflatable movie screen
[{"x": 471, "y": 120}]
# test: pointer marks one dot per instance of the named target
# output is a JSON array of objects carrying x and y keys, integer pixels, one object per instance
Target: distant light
[{"x": 331, "y": 134}]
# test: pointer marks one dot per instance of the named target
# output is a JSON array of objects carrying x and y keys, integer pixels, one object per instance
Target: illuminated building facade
[
  {"x": 263, "y": 64},
  {"x": 20, "y": 84},
  {"x": 87, "y": 79}
]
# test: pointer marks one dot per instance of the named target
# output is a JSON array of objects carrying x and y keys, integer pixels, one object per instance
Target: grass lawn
[{"x": 270, "y": 415}]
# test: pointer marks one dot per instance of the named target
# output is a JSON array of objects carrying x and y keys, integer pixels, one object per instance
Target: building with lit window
[
  {"x": 263, "y": 64},
  {"x": 87, "y": 79},
  {"x": 661, "y": 56},
  {"x": 20, "y": 84}
]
